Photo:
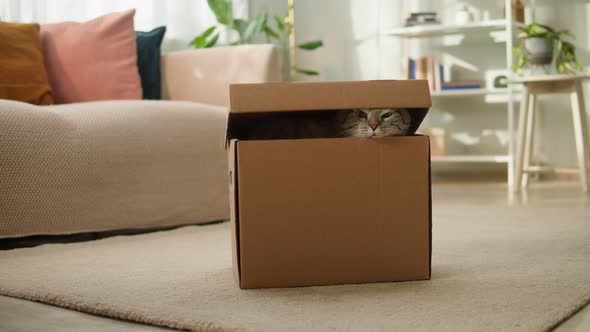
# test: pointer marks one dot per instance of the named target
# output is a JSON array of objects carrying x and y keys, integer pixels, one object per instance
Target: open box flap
[
  {"x": 413, "y": 95},
  {"x": 309, "y": 96}
]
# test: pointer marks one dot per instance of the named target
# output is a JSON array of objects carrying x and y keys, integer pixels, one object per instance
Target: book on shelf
[
  {"x": 422, "y": 18},
  {"x": 461, "y": 85},
  {"x": 439, "y": 75},
  {"x": 455, "y": 88},
  {"x": 421, "y": 68},
  {"x": 424, "y": 68},
  {"x": 429, "y": 68},
  {"x": 408, "y": 68}
]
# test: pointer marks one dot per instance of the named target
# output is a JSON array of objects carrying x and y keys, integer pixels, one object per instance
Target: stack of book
[
  {"x": 424, "y": 68},
  {"x": 461, "y": 85},
  {"x": 422, "y": 18},
  {"x": 429, "y": 68}
]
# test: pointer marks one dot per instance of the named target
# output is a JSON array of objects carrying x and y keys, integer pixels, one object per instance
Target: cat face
[{"x": 377, "y": 122}]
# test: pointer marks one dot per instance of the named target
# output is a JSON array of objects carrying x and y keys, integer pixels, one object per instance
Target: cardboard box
[
  {"x": 330, "y": 210},
  {"x": 438, "y": 140}
]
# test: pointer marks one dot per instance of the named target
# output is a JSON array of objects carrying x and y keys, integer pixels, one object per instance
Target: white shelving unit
[
  {"x": 467, "y": 93},
  {"x": 440, "y": 30},
  {"x": 499, "y": 30},
  {"x": 472, "y": 159}
]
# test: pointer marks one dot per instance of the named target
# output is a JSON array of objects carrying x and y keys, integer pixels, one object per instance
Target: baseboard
[
  {"x": 562, "y": 174},
  {"x": 469, "y": 177},
  {"x": 557, "y": 174}
]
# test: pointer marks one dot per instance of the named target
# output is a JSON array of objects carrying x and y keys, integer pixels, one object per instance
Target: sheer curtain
[{"x": 184, "y": 19}]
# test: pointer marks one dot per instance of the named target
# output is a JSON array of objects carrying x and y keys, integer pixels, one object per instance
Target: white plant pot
[{"x": 539, "y": 51}]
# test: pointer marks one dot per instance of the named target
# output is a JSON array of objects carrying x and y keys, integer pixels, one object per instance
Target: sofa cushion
[
  {"x": 95, "y": 60},
  {"x": 148, "y": 61},
  {"x": 22, "y": 72},
  {"x": 110, "y": 165}
]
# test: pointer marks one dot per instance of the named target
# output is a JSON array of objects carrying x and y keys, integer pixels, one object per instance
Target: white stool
[{"x": 536, "y": 85}]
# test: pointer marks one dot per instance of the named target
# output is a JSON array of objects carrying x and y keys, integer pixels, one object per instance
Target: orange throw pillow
[{"x": 22, "y": 71}]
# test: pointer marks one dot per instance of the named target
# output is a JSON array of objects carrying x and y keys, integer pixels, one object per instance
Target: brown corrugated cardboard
[
  {"x": 335, "y": 210},
  {"x": 438, "y": 140},
  {"x": 274, "y": 97}
]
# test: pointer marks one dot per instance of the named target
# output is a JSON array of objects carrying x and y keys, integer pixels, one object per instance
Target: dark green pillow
[{"x": 148, "y": 61}]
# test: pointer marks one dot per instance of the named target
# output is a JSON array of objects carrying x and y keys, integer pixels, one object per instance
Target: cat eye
[
  {"x": 386, "y": 115},
  {"x": 361, "y": 114}
]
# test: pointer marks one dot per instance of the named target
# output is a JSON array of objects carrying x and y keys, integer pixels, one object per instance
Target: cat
[{"x": 378, "y": 122}]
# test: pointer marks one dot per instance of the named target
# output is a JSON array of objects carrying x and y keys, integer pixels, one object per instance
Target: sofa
[{"x": 127, "y": 164}]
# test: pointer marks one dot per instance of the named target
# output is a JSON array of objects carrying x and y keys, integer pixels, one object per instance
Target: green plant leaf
[
  {"x": 212, "y": 41},
  {"x": 564, "y": 32},
  {"x": 200, "y": 41},
  {"x": 565, "y": 67},
  {"x": 240, "y": 26},
  {"x": 564, "y": 51},
  {"x": 536, "y": 30},
  {"x": 568, "y": 47},
  {"x": 287, "y": 22},
  {"x": 311, "y": 45},
  {"x": 558, "y": 47},
  {"x": 517, "y": 50},
  {"x": 271, "y": 33},
  {"x": 280, "y": 24},
  {"x": 566, "y": 59},
  {"x": 223, "y": 11},
  {"x": 306, "y": 71},
  {"x": 194, "y": 42},
  {"x": 208, "y": 32},
  {"x": 521, "y": 60},
  {"x": 545, "y": 27},
  {"x": 255, "y": 27}
]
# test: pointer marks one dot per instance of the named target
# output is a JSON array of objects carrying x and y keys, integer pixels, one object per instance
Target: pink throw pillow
[{"x": 94, "y": 60}]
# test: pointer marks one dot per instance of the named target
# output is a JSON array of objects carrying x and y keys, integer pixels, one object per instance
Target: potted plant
[
  {"x": 541, "y": 45},
  {"x": 244, "y": 32}
]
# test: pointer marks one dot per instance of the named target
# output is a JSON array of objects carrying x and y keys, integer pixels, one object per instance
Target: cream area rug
[{"x": 506, "y": 269}]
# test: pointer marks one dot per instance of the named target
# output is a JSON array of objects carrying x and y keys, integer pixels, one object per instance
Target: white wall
[
  {"x": 556, "y": 137},
  {"x": 355, "y": 49}
]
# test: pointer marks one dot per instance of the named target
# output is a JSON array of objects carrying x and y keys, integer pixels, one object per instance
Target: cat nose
[{"x": 373, "y": 125}]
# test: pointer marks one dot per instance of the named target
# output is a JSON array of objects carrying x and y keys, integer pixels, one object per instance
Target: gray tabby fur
[{"x": 379, "y": 122}]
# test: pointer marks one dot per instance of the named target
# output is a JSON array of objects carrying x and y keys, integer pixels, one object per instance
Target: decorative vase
[
  {"x": 463, "y": 16},
  {"x": 539, "y": 51},
  {"x": 518, "y": 11}
]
